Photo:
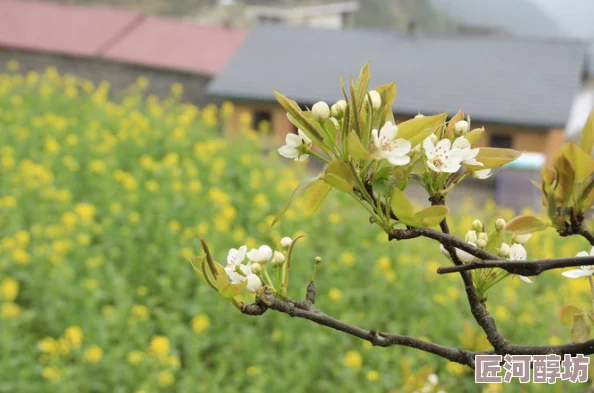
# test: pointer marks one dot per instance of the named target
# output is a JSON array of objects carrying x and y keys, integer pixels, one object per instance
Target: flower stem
[
  {"x": 267, "y": 278},
  {"x": 309, "y": 151}
]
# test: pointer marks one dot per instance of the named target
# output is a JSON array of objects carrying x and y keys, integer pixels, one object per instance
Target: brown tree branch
[
  {"x": 586, "y": 235},
  {"x": 524, "y": 268},
  {"x": 306, "y": 310}
]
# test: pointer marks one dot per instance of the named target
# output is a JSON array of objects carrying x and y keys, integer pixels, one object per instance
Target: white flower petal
[
  {"x": 388, "y": 131},
  {"x": 577, "y": 273},
  {"x": 525, "y": 279},
  {"x": 443, "y": 145},
  {"x": 432, "y": 166},
  {"x": 288, "y": 151},
  {"x": 254, "y": 283},
  {"x": 582, "y": 254},
  {"x": 398, "y": 160},
  {"x": 429, "y": 148},
  {"x": 265, "y": 253},
  {"x": 293, "y": 140},
  {"x": 401, "y": 146},
  {"x": 461, "y": 143},
  {"x": 304, "y": 137}
]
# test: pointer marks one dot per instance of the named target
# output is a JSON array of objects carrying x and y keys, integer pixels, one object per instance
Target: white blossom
[
  {"x": 441, "y": 157},
  {"x": 296, "y": 147},
  {"x": 338, "y": 109},
  {"x": 471, "y": 237},
  {"x": 517, "y": 252},
  {"x": 521, "y": 239},
  {"x": 469, "y": 154},
  {"x": 461, "y": 127},
  {"x": 320, "y": 111},
  {"x": 239, "y": 272},
  {"x": 392, "y": 149},
  {"x": 376, "y": 99},
  {"x": 286, "y": 242},
  {"x": 262, "y": 254},
  {"x": 482, "y": 174},
  {"x": 583, "y": 271}
]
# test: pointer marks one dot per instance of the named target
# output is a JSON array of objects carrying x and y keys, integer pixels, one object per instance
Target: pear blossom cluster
[
  {"x": 247, "y": 266},
  {"x": 477, "y": 238}
]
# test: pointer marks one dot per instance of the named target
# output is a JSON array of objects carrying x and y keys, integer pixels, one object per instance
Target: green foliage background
[{"x": 101, "y": 205}]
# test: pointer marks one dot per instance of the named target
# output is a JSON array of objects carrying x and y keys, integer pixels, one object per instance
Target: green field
[{"x": 101, "y": 205}]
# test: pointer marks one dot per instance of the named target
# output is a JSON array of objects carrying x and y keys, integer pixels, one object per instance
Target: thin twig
[{"x": 523, "y": 268}]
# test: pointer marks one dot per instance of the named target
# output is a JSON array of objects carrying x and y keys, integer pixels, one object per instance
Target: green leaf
[
  {"x": 525, "y": 224},
  {"x": 362, "y": 84},
  {"x": 580, "y": 328},
  {"x": 380, "y": 181},
  {"x": 301, "y": 188},
  {"x": 587, "y": 138},
  {"x": 355, "y": 148},
  {"x": 474, "y": 136},
  {"x": 296, "y": 116},
  {"x": 199, "y": 266},
  {"x": 388, "y": 94},
  {"x": 403, "y": 208},
  {"x": 339, "y": 175},
  {"x": 431, "y": 215},
  {"x": 581, "y": 163},
  {"x": 452, "y": 124},
  {"x": 314, "y": 196},
  {"x": 492, "y": 157},
  {"x": 495, "y": 240},
  {"x": 417, "y": 129},
  {"x": 228, "y": 290},
  {"x": 567, "y": 312}
]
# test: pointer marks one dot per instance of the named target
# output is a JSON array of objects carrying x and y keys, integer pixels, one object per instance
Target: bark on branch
[{"x": 524, "y": 268}]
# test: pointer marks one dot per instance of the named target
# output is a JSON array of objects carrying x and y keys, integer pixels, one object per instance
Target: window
[
  {"x": 501, "y": 141},
  {"x": 262, "y": 120}
]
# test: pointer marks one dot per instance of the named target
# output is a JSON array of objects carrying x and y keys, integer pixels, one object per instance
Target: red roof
[
  {"x": 114, "y": 34},
  {"x": 175, "y": 44},
  {"x": 67, "y": 29}
]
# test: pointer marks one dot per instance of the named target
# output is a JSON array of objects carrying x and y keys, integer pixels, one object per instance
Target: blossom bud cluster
[{"x": 247, "y": 266}]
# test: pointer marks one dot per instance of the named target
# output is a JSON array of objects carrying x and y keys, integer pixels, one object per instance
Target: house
[
  {"x": 99, "y": 43},
  {"x": 534, "y": 18},
  {"x": 316, "y": 13},
  {"x": 521, "y": 90}
]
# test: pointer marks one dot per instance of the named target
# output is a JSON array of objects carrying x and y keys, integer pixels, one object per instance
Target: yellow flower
[
  {"x": 174, "y": 226},
  {"x": 48, "y": 345},
  {"x": 142, "y": 82},
  {"x": 276, "y": 335},
  {"x": 348, "y": 258},
  {"x": 97, "y": 166},
  {"x": 160, "y": 346},
  {"x": 152, "y": 186},
  {"x": 9, "y": 288},
  {"x": 335, "y": 218},
  {"x": 51, "y": 145},
  {"x": 91, "y": 284},
  {"x": 174, "y": 362},
  {"x": 72, "y": 139},
  {"x": 501, "y": 313},
  {"x": 372, "y": 375},
  {"x": 440, "y": 298},
  {"x": 85, "y": 211},
  {"x": 10, "y": 310},
  {"x": 83, "y": 239},
  {"x": 252, "y": 371},
  {"x": 186, "y": 253},
  {"x": 22, "y": 238},
  {"x": 335, "y": 294},
  {"x": 260, "y": 200},
  {"x": 455, "y": 368},
  {"x": 115, "y": 208},
  {"x": 140, "y": 311},
  {"x": 353, "y": 360},
  {"x": 135, "y": 357},
  {"x": 134, "y": 217},
  {"x": 142, "y": 290},
  {"x": 12, "y": 65},
  {"x": 165, "y": 378},
  {"x": 21, "y": 256},
  {"x": 177, "y": 89},
  {"x": 93, "y": 354},
  {"x": 51, "y": 374},
  {"x": 554, "y": 340},
  {"x": 367, "y": 345},
  {"x": 74, "y": 335},
  {"x": 200, "y": 323}
]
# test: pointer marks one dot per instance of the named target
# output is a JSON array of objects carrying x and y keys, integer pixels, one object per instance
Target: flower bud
[
  {"x": 444, "y": 251},
  {"x": 433, "y": 379},
  {"x": 420, "y": 115},
  {"x": 338, "y": 109},
  {"x": 434, "y": 139},
  {"x": 482, "y": 174},
  {"x": 504, "y": 250},
  {"x": 320, "y": 111},
  {"x": 278, "y": 258},
  {"x": 376, "y": 99},
  {"x": 521, "y": 239},
  {"x": 484, "y": 236},
  {"x": 481, "y": 243},
  {"x": 500, "y": 224},
  {"x": 471, "y": 237},
  {"x": 286, "y": 242},
  {"x": 256, "y": 268},
  {"x": 461, "y": 128},
  {"x": 478, "y": 226},
  {"x": 318, "y": 260}
]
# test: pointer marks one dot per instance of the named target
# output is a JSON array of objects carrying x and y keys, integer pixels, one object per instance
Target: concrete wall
[{"x": 119, "y": 75}]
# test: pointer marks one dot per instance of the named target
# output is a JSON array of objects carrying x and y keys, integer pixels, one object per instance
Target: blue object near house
[{"x": 513, "y": 187}]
